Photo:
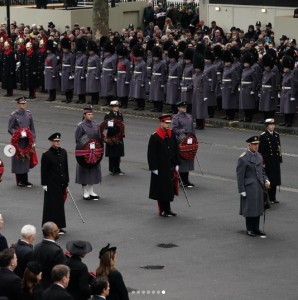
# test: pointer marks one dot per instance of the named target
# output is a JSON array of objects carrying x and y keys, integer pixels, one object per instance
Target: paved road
[{"x": 214, "y": 258}]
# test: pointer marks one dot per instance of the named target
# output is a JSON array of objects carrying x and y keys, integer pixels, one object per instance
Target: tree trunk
[{"x": 100, "y": 18}]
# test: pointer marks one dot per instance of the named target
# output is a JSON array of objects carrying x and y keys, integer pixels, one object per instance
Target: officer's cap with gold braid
[{"x": 253, "y": 140}]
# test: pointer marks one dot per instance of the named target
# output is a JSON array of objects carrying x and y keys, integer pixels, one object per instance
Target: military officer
[
  {"x": 9, "y": 70},
  {"x": 270, "y": 148},
  {"x": 80, "y": 71},
  {"x": 21, "y": 118},
  {"x": 217, "y": 50},
  {"x": 182, "y": 124},
  {"x": 54, "y": 181},
  {"x": 31, "y": 70},
  {"x": 20, "y": 54},
  {"x": 87, "y": 177},
  {"x": 163, "y": 159},
  {"x": 114, "y": 150},
  {"x": 67, "y": 70},
  {"x": 41, "y": 57},
  {"x": 51, "y": 71},
  {"x": 252, "y": 182}
]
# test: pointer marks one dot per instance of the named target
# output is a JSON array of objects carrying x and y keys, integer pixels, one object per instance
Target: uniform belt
[
  {"x": 226, "y": 80},
  {"x": 137, "y": 72},
  {"x": 172, "y": 77},
  {"x": 209, "y": 79},
  {"x": 122, "y": 72},
  {"x": 91, "y": 68},
  {"x": 48, "y": 67},
  {"x": 149, "y": 68},
  {"x": 286, "y": 88},
  {"x": 218, "y": 73},
  {"x": 187, "y": 78},
  {"x": 266, "y": 86},
  {"x": 79, "y": 67},
  {"x": 246, "y": 82},
  {"x": 156, "y": 74},
  {"x": 64, "y": 65},
  {"x": 105, "y": 69}
]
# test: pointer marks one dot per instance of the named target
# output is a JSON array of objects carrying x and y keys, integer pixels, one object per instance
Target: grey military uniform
[
  {"x": 20, "y": 119},
  {"x": 186, "y": 82},
  {"x": 173, "y": 84},
  {"x": 210, "y": 71},
  {"x": 149, "y": 71},
  {"x": 67, "y": 71},
  {"x": 108, "y": 75},
  {"x": 123, "y": 77},
  {"x": 218, "y": 63},
  {"x": 248, "y": 89},
  {"x": 138, "y": 80},
  {"x": 287, "y": 95},
  {"x": 182, "y": 123},
  {"x": 268, "y": 92},
  {"x": 199, "y": 96},
  {"x": 158, "y": 77},
  {"x": 93, "y": 74},
  {"x": 230, "y": 94},
  {"x": 87, "y": 175},
  {"x": 51, "y": 72},
  {"x": 80, "y": 74}
]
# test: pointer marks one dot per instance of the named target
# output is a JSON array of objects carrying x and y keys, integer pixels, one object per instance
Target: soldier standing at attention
[
  {"x": 31, "y": 70},
  {"x": 163, "y": 159},
  {"x": 9, "y": 70},
  {"x": 252, "y": 182},
  {"x": 270, "y": 148},
  {"x": 21, "y": 118}
]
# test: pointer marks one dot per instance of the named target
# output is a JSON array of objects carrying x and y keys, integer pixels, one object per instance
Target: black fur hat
[
  {"x": 288, "y": 62},
  {"x": 50, "y": 45},
  {"x": 236, "y": 52},
  {"x": 248, "y": 58},
  {"x": 188, "y": 53},
  {"x": 217, "y": 50},
  {"x": 156, "y": 52},
  {"x": 182, "y": 45},
  {"x": 92, "y": 46},
  {"x": 291, "y": 52},
  {"x": 198, "y": 61},
  {"x": 137, "y": 51},
  {"x": 255, "y": 54},
  {"x": 209, "y": 55},
  {"x": 173, "y": 52},
  {"x": 272, "y": 52},
  {"x": 121, "y": 50},
  {"x": 227, "y": 56},
  {"x": 132, "y": 42},
  {"x": 103, "y": 39},
  {"x": 167, "y": 45},
  {"x": 65, "y": 43},
  {"x": 109, "y": 47},
  {"x": 150, "y": 44},
  {"x": 268, "y": 61},
  {"x": 201, "y": 48},
  {"x": 80, "y": 45}
]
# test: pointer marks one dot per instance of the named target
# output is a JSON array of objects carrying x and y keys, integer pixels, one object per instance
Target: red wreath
[
  {"x": 117, "y": 137},
  {"x": 188, "y": 151},
  {"x": 15, "y": 140},
  {"x": 90, "y": 157}
]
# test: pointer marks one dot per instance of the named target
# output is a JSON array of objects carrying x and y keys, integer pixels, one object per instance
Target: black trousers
[
  {"x": 230, "y": 113},
  {"x": 164, "y": 206},
  {"x": 22, "y": 178},
  {"x": 52, "y": 95},
  {"x": 252, "y": 223},
  {"x": 123, "y": 101},
  {"x": 248, "y": 114},
  {"x": 184, "y": 176},
  {"x": 272, "y": 193},
  {"x": 268, "y": 114},
  {"x": 114, "y": 164},
  {"x": 109, "y": 99},
  {"x": 94, "y": 98},
  {"x": 140, "y": 103}
]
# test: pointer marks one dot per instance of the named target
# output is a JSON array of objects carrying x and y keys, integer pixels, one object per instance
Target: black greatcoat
[
  {"x": 162, "y": 156},
  {"x": 114, "y": 150},
  {"x": 31, "y": 67},
  {"x": 271, "y": 151},
  {"x": 54, "y": 174},
  {"x": 9, "y": 81}
]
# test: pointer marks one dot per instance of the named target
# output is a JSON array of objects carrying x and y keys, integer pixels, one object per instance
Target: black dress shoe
[
  {"x": 52, "y": 100},
  {"x": 20, "y": 184},
  {"x": 28, "y": 184},
  {"x": 274, "y": 202},
  {"x": 153, "y": 109},
  {"x": 189, "y": 184},
  {"x": 87, "y": 198},
  {"x": 288, "y": 125},
  {"x": 136, "y": 108},
  {"x": 260, "y": 233},
  {"x": 172, "y": 213},
  {"x": 141, "y": 108},
  {"x": 49, "y": 99},
  {"x": 68, "y": 101},
  {"x": 165, "y": 214},
  {"x": 64, "y": 100},
  {"x": 250, "y": 233},
  {"x": 94, "y": 197}
]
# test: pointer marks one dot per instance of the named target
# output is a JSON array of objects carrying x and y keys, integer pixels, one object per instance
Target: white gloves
[
  {"x": 243, "y": 194},
  {"x": 162, "y": 86},
  {"x": 71, "y": 77},
  {"x": 115, "y": 79},
  {"x": 82, "y": 77},
  {"x": 45, "y": 188},
  {"x": 292, "y": 99},
  {"x": 177, "y": 168},
  {"x": 127, "y": 82},
  {"x": 184, "y": 89},
  {"x": 267, "y": 184},
  {"x": 252, "y": 92},
  {"x": 155, "y": 172},
  {"x": 205, "y": 99}
]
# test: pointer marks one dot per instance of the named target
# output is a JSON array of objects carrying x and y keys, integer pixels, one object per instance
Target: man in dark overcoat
[
  {"x": 51, "y": 71},
  {"x": 182, "y": 125},
  {"x": 48, "y": 253},
  {"x": 114, "y": 150},
  {"x": 54, "y": 181},
  {"x": 252, "y": 182},
  {"x": 21, "y": 118},
  {"x": 31, "y": 70},
  {"x": 270, "y": 148},
  {"x": 9, "y": 81},
  {"x": 163, "y": 159}
]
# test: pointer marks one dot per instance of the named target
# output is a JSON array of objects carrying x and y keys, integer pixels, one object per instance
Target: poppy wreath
[
  {"x": 117, "y": 137},
  {"x": 88, "y": 157},
  {"x": 186, "y": 150},
  {"x": 15, "y": 141}
]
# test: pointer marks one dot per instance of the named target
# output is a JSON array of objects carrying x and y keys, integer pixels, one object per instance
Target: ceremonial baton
[
  {"x": 75, "y": 204},
  {"x": 199, "y": 165},
  {"x": 181, "y": 183}
]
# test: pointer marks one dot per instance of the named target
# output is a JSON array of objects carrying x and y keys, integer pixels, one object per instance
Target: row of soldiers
[{"x": 203, "y": 77}]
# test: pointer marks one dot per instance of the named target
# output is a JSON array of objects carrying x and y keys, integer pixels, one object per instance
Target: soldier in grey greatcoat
[
  {"x": 248, "y": 88},
  {"x": 93, "y": 73},
  {"x": 267, "y": 103},
  {"x": 252, "y": 182},
  {"x": 87, "y": 177},
  {"x": 217, "y": 50},
  {"x": 80, "y": 71},
  {"x": 51, "y": 71},
  {"x": 230, "y": 94},
  {"x": 139, "y": 77},
  {"x": 109, "y": 71},
  {"x": 186, "y": 79},
  {"x": 182, "y": 45},
  {"x": 182, "y": 124},
  {"x": 67, "y": 70},
  {"x": 199, "y": 95},
  {"x": 210, "y": 72},
  {"x": 158, "y": 79},
  {"x": 149, "y": 61},
  {"x": 288, "y": 94},
  {"x": 123, "y": 75},
  {"x": 21, "y": 118},
  {"x": 174, "y": 76}
]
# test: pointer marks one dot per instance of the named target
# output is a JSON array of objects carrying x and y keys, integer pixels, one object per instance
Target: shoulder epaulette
[
  {"x": 263, "y": 132},
  {"x": 243, "y": 154}
]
